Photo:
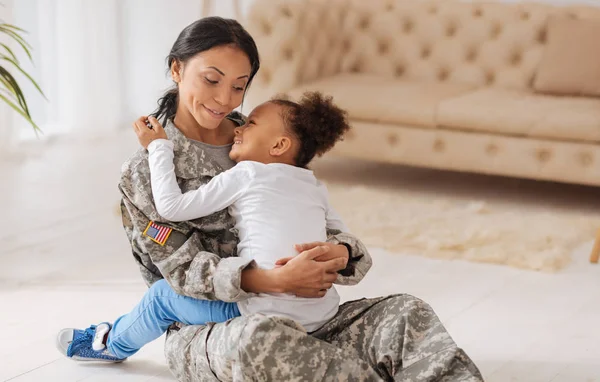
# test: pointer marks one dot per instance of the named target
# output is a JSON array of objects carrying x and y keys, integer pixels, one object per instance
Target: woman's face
[{"x": 212, "y": 84}]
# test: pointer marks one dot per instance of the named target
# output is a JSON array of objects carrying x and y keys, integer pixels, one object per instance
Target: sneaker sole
[{"x": 64, "y": 338}]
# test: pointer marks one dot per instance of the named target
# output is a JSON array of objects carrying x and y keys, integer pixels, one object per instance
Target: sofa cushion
[
  {"x": 385, "y": 100},
  {"x": 515, "y": 112},
  {"x": 571, "y": 61}
]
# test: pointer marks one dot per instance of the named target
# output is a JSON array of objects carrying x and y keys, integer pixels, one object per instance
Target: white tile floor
[{"x": 64, "y": 261}]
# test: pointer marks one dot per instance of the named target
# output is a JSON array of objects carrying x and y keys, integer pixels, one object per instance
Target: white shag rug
[{"x": 448, "y": 229}]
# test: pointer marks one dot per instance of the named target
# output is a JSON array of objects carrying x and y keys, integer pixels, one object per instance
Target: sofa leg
[{"x": 596, "y": 251}]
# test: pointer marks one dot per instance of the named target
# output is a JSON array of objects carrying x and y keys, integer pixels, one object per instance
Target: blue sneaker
[{"x": 86, "y": 345}]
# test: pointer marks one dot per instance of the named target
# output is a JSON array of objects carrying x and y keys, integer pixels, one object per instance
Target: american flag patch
[{"x": 157, "y": 233}]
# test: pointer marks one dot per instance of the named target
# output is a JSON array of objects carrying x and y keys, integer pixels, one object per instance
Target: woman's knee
[
  {"x": 258, "y": 327},
  {"x": 407, "y": 303}
]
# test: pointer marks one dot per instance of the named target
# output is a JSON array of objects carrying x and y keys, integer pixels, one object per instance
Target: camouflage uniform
[{"x": 397, "y": 337}]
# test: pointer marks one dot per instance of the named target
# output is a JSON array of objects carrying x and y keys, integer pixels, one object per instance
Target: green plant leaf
[
  {"x": 12, "y": 85},
  {"x": 17, "y": 37},
  {"x": 21, "y": 112},
  {"x": 10, "y": 91},
  {"x": 14, "y": 27},
  {"x": 14, "y": 32},
  {"x": 26, "y": 75},
  {"x": 9, "y": 52},
  {"x": 9, "y": 94}
]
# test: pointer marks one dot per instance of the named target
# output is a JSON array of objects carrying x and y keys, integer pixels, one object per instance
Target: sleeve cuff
[
  {"x": 228, "y": 277},
  {"x": 359, "y": 262},
  {"x": 160, "y": 143}
]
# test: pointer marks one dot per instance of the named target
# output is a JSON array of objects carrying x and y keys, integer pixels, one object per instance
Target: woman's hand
[
  {"x": 305, "y": 276},
  {"x": 309, "y": 274},
  {"x": 334, "y": 252},
  {"x": 146, "y": 134}
]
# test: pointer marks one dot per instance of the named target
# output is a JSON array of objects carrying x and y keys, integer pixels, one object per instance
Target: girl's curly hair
[{"x": 315, "y": 121}]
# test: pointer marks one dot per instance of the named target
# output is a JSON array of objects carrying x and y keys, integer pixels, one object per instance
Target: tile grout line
[{"x": 29, "y": 371}]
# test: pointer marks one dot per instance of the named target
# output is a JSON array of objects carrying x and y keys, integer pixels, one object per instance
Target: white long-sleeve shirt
[{"x": 275, "y": 206}]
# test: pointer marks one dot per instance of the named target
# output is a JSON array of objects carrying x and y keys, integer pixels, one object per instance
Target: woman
[{"x": 397, "y": 337}]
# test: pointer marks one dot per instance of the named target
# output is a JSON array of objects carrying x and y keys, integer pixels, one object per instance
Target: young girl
[{"x": 276, "y": 202}]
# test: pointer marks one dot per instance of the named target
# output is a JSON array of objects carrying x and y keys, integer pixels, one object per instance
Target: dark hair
[
  {"x": 202, "y": 35},
  {"x": 315, "y": 121}
]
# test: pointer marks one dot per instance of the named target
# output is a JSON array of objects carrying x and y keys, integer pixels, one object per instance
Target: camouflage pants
[{"x": 394, "y": 338}]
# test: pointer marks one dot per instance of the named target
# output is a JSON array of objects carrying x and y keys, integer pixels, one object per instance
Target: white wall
[
  {"x": 76, "y": 62},
  {"x": 150, "y": 27}
]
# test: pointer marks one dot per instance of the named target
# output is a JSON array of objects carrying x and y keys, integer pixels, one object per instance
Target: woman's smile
[{"x": 214, "y": 113}]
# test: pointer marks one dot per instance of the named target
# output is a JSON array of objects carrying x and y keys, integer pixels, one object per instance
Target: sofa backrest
[
  {"x": 482, "y": 44},
  {"x": 477, "y": 43}
]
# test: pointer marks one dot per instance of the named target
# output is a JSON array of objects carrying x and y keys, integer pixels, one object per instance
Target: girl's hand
[
  {"x": 145, "y": 134},
  {"x": 305, "y": 276}
]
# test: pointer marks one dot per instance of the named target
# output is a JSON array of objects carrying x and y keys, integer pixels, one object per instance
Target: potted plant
[{"x": 10, "y": 90}]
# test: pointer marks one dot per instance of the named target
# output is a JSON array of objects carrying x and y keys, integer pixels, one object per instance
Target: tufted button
[
  {"x": 525, "y": 15},
  {"x": 364, "y": 23},
  {"x": 477, "y": 12},
  {"x": 383, "y": 47},
  {"x": 543, "y": 155},
  {"x": 491, "y": 149},
  {"x": 490, "y": 77},
  {"x": 425, "y": 52},
  {"x": 585, "y": 159},
  {"x": 266, "y": 27},
  {"x": 516, "y": 58},
  {"x": 471, "y": 55},
  {"x": 389, "y": 6},
  {"x": 432, "y": 10},
  {"x": 288, "y": 53},
  {"x": 407, "y": 26},
  {"x": 495, "y": 31},
  {"x": 399, "y": 70},
  {"x": 451, "y": 30},
  {"x": 439, "y": 145},
  {"x": 541, "y": 36},
  {"x": 392, "y": 139},
  {"x": 443, "y": 74},
  {"x": 286, "y": 12},
  {"x": 356, "y": 67}
]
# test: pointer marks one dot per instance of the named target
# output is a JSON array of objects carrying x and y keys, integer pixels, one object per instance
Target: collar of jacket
[{"x": 190, "y": 160}]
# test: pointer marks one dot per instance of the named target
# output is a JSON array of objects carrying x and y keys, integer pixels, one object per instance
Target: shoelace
[{"x": 84, "y": 340}]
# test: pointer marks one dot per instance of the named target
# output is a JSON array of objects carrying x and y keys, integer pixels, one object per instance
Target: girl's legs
[{"x": 159, "y": 308}]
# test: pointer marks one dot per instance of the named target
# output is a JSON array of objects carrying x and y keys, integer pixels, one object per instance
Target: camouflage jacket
[{"x": 199, "y": 258}]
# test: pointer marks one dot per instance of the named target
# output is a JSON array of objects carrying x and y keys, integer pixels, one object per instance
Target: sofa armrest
[{"x": 299, "y": 41}]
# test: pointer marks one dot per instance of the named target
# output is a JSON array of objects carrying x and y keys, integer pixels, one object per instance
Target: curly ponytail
[{"x": 316, "y": 122}]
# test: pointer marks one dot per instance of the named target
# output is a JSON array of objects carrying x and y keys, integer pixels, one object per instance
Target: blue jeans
[{"x": 160, "y": 307}]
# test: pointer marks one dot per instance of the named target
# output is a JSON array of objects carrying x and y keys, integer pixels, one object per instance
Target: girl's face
[
  {"x": 262, "y": 137},
  {"x": 211, "y": 84}
]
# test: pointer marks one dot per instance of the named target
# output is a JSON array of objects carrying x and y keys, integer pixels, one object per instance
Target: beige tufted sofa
[{"x": 443, "y": 84}]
